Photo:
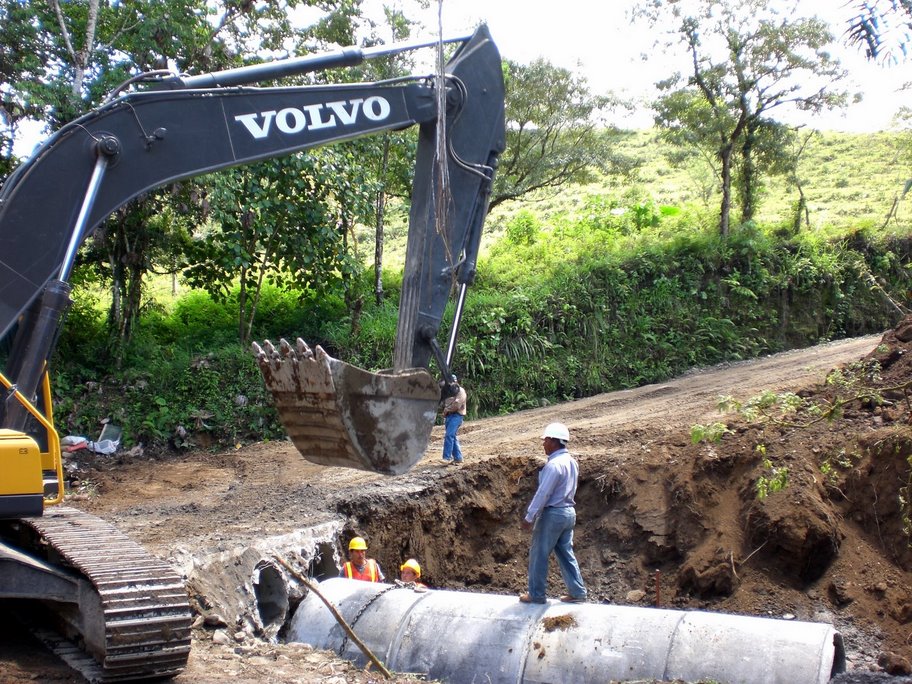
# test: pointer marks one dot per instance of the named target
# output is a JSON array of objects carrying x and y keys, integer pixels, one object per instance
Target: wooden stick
[
  {"x": 332, "y": 609},
  {"x": 751, "y": 553}
]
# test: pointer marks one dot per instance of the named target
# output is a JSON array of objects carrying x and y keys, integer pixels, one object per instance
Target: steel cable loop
[{"x": 361, "y": 612}]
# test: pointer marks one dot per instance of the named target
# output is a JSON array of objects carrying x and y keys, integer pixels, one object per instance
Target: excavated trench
[{"x": 463, "y": 525}]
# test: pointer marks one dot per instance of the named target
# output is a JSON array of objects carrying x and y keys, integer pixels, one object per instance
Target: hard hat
[
  {"x": 411, "y": 564},
  {"x": 357, "y": 544},
  {"x": 557, "y": 431}
]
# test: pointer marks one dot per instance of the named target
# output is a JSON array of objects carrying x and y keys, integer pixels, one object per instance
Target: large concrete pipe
[{"x": 466, "y": 637}]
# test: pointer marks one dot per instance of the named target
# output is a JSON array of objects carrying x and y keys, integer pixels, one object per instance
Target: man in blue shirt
[{"x": 552, "y": 516}]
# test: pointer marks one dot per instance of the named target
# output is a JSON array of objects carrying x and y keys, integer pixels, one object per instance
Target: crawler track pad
[{"x": 340, "y": 415}]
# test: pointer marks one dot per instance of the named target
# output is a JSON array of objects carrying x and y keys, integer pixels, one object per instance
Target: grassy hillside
[{"x": 849, "y": 181}]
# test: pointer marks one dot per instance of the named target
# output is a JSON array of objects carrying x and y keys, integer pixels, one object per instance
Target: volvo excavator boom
[
  {"x": 186, "y": 127},
  {"x": 179, "y": 127}
]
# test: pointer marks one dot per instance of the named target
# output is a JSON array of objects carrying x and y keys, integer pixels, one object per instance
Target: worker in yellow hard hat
[
  {"x": 410, "y": 573},
  {"x": 359, "y": 566}
]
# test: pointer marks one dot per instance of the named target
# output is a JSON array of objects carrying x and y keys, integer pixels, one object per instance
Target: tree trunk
[
  {"x": 801, "y": 212},
  {"x": 747, "y": 179},
  {"x": 132, "y": 297},
  {"x": 115, "y": 315},
  {"x": 242, "y": 308},
  {"x": 725, "y": 207},
  {"x": 80, "y": 59}
]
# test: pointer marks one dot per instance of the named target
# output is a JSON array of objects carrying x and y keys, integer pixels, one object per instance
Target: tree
[
  {"x": 555, "y": 132},
  {"x": 142, "y": 234},
  {"x": 747, "y": 63},
  {"x": 388, "y": 157},
  {"x": 20, "y": 57},
  {"x": 60, "y": 59},
  {"x": 882, "y": 28},
  {"x": 270, "y": 221}
]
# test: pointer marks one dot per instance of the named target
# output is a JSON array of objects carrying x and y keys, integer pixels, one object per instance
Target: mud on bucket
[{"x": 340, "y": 415}]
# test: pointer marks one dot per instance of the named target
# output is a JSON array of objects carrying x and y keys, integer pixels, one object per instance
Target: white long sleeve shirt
[{"x": 557, "y": 482}]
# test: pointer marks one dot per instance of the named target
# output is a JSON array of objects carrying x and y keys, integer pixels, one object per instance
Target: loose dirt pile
[{"x": 661, "y": 520}]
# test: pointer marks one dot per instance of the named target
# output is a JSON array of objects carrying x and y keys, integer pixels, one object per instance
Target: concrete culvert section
[
  {"x": 271, "y": 596},
  {"x": 499, "y": 640},
  {"x": 243, "y": 590}
]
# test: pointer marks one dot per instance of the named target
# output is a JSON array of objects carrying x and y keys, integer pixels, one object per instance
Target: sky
[
  {"x": 618, "y": 56},
  {"x": 608, "y": 50}
]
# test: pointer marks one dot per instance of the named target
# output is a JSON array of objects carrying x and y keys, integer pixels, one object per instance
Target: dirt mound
[
  {"x": 802, "y": 513},
  {"x": 799, "y": 509}
]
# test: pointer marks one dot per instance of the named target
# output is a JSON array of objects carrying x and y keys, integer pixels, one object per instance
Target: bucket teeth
[
  {"x": 340, "y": 415},
  {"x": 303, "y": 349}
]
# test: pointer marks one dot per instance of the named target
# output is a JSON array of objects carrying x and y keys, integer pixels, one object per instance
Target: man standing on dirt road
[
  {"x": 553, "y": 516},
  {"x": 454, "y": 410},
  {"x": 359, "y": 566}
]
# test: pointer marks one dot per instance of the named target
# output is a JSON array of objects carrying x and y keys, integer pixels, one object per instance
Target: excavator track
[{"x": 141, "y": 629}]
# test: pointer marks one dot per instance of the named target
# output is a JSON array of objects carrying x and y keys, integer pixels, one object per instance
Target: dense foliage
[{"x": 615, "y": 295}]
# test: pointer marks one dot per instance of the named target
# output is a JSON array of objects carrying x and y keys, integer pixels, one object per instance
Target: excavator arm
[
  {"x": 188, "y": 127},
  {"x": 130, "y": 610}
]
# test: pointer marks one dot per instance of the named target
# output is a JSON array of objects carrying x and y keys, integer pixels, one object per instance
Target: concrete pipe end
[{"x": 271, "y": 596}]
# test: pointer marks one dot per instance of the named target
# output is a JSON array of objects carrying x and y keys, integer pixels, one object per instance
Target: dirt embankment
[{"x": 659, "y": 517}]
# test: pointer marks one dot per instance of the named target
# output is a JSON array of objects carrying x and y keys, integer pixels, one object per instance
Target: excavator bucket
[{"x": 340, "y": 415}]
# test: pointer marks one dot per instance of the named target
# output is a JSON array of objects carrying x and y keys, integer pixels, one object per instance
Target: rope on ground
[{"x": 335, "y": 613}]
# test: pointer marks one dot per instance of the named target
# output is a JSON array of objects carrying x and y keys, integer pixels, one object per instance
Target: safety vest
[{"x": 371, "y": 572}]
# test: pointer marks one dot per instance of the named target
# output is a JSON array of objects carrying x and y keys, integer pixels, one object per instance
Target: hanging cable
[{"x": 442, "y": 198}]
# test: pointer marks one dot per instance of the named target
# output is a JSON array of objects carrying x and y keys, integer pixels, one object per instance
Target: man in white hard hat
[{"x": 552, "y": 516}]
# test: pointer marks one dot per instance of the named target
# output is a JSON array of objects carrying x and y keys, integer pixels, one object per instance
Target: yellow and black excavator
[{"x": 128, "y": 610}]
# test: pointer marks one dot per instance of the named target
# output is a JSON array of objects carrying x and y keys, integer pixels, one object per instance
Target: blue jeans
[
  {"x": 450, "y": 443},
  {"x": 554, "y": 532}
]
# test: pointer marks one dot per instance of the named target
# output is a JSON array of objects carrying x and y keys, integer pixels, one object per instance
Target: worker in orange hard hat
[
  {"x": 359, "y": 566},
  {"x": 410, "y": 573}
]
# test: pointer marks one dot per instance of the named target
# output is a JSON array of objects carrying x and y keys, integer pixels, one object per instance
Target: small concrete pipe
[{"x": 466, "y": 637}]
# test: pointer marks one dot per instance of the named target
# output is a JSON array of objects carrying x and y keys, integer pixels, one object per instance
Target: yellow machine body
[
  {"x": 29, "y": 477},
  {"x": 22, "y": 484},
  {"x": 20, "y": 457}
]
